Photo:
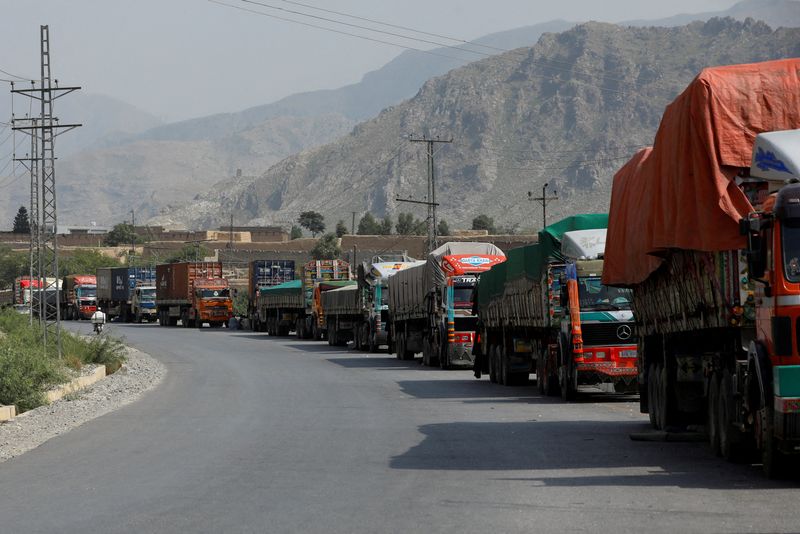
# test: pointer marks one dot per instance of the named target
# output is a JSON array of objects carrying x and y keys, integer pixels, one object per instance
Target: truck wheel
[
  {"x": 773, "y": 460},
  {"x": 398, "y": 347},
  {"x": 372, "y": 345},
  {"x": 505, "y": 372},
  {"x": 198, "y": 322},
  {"x": 652, "y": 393},
  {"x": 540, "y": 374},
  {"x": 730, "y": 442},
  {"x": 331, "y": 335},
  {"x": 566, "y": 374},
  {"x": 138, "y": 317},
  {"x": 713, "y": 414},
  {"x": 492, "y": 364}
]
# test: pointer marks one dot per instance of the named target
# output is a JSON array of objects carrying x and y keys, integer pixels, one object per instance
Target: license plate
[{"x": 628, "y": 354}]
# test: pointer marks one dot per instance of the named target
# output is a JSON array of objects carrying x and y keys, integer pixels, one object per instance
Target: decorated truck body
[
  {"x": 263, "y": 274},
  {"x": 372, "y": 331},
  {"x": 295, "y": 305},
  {"x": 705, "y": 228},
  {"x": 430, "y": 304},
  {"x": 128, "y": 293},
  {"x": 341, "y": 309},
  {"x": 194, "y": 293},
  {"x": 545, "y": 311},
  {"x": 78, "y": 296}
]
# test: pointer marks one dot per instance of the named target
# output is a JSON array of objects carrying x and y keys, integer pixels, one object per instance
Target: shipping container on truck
[
  {"x": 127, "y": 292},
  {"x": 78, "y": 296},
  {"x": 705, "y": 228},
  {"x": 545, "y": 311},
  {"x": 373, "y": 330},
  {"x": 430, "y": 304},
  {"x": 194, "y": 293},
  {"x": 262, "y": 274}
]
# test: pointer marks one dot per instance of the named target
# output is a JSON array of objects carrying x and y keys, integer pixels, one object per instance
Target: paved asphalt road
[{"x": 255, "y": 434}]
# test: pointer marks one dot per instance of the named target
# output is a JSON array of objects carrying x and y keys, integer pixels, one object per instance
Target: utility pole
[
  {"x": 133, "y": 238},
  {"x": 431, "y": 185},
  {"x": 31, "y": 162},
  {"x": 230, "y": 237},
  {"x": 543, "y": 201},
  {"x": 46, "y": 129}
]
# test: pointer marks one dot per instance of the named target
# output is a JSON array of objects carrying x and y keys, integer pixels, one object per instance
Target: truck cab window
[{"x": 790, "y": 235}]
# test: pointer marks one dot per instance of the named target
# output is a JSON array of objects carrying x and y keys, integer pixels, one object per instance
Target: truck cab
[
  {"x": 213, "y": 303},
  {"x": 771, "y": 372},
  {"x": 460, "y": 321},
  {"x": 143, "y": 303}
]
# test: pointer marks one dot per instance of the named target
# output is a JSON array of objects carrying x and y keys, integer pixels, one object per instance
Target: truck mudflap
[{"x": 460, "y": 354}]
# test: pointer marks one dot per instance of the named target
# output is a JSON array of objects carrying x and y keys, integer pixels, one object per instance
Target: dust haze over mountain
[
  {"x": 132, "y": 161},
  {"x": 569, "y": 110}
]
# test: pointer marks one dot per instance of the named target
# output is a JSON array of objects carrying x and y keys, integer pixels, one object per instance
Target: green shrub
[{"x": 25, "y": 374}]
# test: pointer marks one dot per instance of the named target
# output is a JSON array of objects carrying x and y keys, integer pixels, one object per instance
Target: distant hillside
[
  {"x": 776, "y": 13},
  {"x": 568, "y": 111}
]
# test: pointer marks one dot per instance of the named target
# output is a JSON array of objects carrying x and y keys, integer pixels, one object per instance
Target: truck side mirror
[{"x": 756, "y": 253}]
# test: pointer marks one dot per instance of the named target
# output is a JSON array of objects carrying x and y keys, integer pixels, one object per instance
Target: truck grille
[{"x": 607, "y": 334}]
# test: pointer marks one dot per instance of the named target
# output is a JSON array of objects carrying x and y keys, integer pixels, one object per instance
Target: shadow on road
[
  {"x": 316, "y": 347},
  {"x": 576, "y": 445},
  {"x": 379, "y": 362}
]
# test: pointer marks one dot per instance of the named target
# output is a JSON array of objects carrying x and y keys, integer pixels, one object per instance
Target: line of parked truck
[{"x": 688, "y": 291}]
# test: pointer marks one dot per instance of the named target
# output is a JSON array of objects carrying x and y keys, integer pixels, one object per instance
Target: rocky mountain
[
  {"x": 776, "y": 13},
  {"x": 567, "y": 111}
]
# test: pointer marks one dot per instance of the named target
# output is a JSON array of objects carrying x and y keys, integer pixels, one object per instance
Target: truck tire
[
  {"x": 774, "y": 462},
  {"x": 540, "y": 380},
  {"x": 398, "y": 347},
  {"x": 505, "y": 372},
  {"x": 712, "y": 422},
  {"x": 372, "y": 346},
  {"x": 331, "y": 335},
  {"x": 566, "y": 373},
  {"x": 492, "y": 364},
  {"x": 731, "y": 444}
]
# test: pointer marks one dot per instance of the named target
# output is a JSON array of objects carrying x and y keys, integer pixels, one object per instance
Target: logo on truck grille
[{"x": 624, "y": 332}]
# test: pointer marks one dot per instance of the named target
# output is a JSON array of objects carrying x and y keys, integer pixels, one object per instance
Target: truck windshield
[
  {"x": 595, "y": 296},
  {"x": 462, "y": 295},
  {"x": 148, "y": 294},
  {"x": 213, "y": 293},
  {"x": 790, "y": 235},
  {"x": 87, "y": 292}
]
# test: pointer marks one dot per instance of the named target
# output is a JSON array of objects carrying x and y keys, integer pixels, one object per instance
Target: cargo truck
[
  {"x": 341, "y": 310},
  {"x": 78, "y": 296},
  {"x": 194, "y": 293},
  {"x": 295, "y": 305},
  {"x": 128, "y": 293},
  {"x": 262, "y": 274},
  {"x": 545, "y": 311},
  {"x": 372, "y": 331},
  {"x": 705, "y": 229},
  {"x": 23, "y": 289},
  {"x": 430, "y": 305}
]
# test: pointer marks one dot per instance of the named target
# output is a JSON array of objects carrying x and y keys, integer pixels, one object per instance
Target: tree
[
  {"x": 297, "y": 233},
  {"x": 85, "y": 261},
  {"x": 443, "y": 228},
  {"x": 122, "y": 234},
  {"x": 327, "y": 248},
  {"x": 484, "y": 222},
  {"x": 408, "y": 225},
  {"x": 385, "y": 226},
  {"x": 189, "y": 252},
  {"x": 12, "y": 265},
  {"x": 368, "y": 225},
  {"x": 22, "y": 224},
  {"x": 341, "y": 228},
  {"x": 312, "y": 221}
]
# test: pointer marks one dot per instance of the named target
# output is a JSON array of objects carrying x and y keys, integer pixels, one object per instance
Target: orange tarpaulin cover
[{"x": 681, "y": 193}]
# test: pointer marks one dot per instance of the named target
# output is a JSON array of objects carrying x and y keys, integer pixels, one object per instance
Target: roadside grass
[{"x": 26, "y": 373}]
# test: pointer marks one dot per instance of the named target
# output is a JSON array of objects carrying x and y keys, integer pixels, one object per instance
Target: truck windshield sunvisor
[
  {"x": 790, "y": 237},
  {"x": 213, "y": 293},
  {"x": 595, "y": 296}
]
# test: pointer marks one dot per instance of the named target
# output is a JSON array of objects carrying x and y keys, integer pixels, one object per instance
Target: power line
[
  {"x": 570, "y": 69},
  {"x": 397, "y": 26},
  {"x": 15, "y": 76},
  {"x": 333, "y": 30}
]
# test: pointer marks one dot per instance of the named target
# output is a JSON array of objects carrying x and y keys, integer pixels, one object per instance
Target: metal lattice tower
[{"x": 44, "y": 216}]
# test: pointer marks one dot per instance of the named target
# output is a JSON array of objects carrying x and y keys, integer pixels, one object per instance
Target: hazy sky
[{"x": 185, "y": 58}]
